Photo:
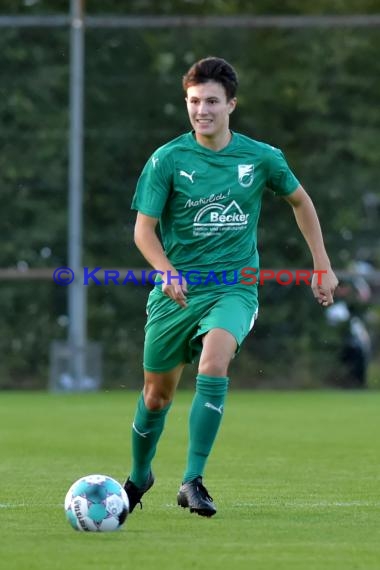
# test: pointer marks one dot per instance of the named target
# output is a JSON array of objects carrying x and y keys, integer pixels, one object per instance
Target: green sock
[
  {"x": 205, "y": 417},
  {"x": 146, "y": 430}
]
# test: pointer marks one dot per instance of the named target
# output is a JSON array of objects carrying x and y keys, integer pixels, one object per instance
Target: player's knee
[{"x": 155, "y": 400}]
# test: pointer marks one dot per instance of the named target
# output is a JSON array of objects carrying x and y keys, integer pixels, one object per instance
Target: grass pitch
[{"x": 295, "y": 477}]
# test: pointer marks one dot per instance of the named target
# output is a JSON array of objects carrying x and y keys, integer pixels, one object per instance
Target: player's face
[{"x": 209, "y": 111}]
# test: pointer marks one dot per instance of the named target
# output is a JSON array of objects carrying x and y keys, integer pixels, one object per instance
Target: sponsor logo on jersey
[
  {"x": 245, "y": 174},
  {"x": 209, "y": 200},
  {"x": 217, "y": 217},
  {"x": 155, "y": 160}
]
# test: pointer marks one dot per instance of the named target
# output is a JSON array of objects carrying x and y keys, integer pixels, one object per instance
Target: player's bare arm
[
  {"x": 147, "y": 241},
  {"x": 324, "y": 282}
]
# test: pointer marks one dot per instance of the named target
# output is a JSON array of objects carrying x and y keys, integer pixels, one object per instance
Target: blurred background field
[
  {"x": 294, "y": 476},
  {"x": 308, "y": 86}
]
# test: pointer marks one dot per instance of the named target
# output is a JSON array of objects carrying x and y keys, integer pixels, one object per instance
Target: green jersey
[{"x": 208, "y": 203}]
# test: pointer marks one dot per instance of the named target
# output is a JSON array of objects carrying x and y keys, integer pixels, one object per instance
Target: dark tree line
[{"x": 312, "y": 92}]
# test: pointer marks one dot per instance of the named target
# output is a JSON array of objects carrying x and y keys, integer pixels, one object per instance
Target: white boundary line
[
  {"x": 300, "y": 505},
  {"x": 255, "y": 505},
  {"x": 30, "y": 505}
]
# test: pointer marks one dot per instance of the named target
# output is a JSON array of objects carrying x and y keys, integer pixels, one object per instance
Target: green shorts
[{"x": 173, "y": 334}]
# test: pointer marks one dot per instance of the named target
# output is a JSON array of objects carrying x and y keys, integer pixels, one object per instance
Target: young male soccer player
[{"x": 205, "y": 189}]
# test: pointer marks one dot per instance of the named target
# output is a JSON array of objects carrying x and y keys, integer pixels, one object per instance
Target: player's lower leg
[
  {"x": 204, "y": 421},
  {"x": 146, "y": 431}
]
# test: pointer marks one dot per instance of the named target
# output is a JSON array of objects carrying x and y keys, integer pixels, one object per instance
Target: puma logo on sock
[{"x": 212, "y": 407}]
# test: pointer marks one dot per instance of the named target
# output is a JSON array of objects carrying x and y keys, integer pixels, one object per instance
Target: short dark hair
[{"x": 212, "y": 69}]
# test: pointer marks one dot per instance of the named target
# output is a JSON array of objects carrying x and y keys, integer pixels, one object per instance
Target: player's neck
[{"x": 216, "y": 143}]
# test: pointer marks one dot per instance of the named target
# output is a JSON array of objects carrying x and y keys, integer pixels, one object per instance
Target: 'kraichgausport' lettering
[{"x": 246, "y": 276}]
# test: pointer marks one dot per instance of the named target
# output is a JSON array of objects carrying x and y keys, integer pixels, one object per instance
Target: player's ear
[{"x": 232, "y": 105}]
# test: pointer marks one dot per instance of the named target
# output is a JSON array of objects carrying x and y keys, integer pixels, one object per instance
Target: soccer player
[{"x": 204, "y": 188}]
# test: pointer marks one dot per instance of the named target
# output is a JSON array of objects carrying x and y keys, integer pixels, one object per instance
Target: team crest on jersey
[{"x": 246, "y": 174}]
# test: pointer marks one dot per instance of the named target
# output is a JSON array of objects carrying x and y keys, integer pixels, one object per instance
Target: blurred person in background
[{"x": 347, "y": 315}]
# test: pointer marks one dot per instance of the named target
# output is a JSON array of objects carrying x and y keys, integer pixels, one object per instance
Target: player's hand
[
  {"x": 323, "y": 284},
  {"x": 175, "y": 286}
]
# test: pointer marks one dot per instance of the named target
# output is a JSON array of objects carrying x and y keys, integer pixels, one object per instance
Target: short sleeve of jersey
[
  {"x": 280, "y": 178},
  {"x": 153, "y": 186}
]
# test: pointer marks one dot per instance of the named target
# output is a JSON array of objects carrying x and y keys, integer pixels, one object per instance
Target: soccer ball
[{"x": 96, "y": 503}]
